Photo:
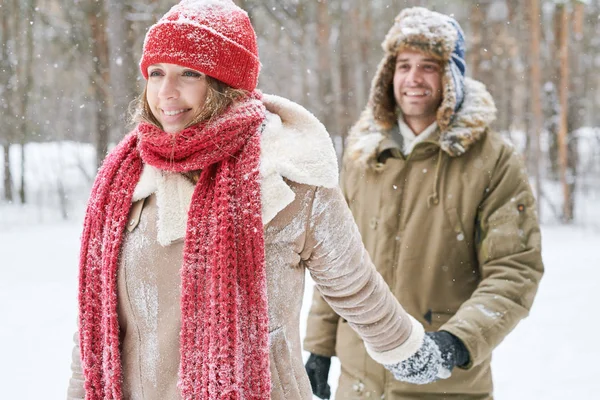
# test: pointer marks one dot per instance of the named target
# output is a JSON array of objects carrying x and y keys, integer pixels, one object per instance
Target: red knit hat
[{"x": 214, "y": 37}]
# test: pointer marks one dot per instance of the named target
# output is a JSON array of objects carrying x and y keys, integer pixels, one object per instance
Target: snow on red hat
[{"x": 214, "y": 37}]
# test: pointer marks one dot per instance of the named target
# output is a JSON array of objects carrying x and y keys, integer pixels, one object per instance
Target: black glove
[
  {"x": 453, "y": 351},
  {"x": 317, "y": 368}
]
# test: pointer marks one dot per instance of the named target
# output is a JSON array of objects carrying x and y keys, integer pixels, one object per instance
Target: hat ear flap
[
  {"x": 446, "y": 109},
  {"x": 382, "y": 98}
]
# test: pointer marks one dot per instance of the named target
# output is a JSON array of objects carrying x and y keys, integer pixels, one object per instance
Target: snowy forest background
[{"x": 68, "y": 71}]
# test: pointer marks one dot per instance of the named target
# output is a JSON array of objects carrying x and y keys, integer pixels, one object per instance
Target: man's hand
[
  {"x": 317, "y": 368},
  {"x": 454, "y": 353}
]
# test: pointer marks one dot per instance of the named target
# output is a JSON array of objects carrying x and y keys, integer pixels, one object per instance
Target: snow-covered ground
[{"x": 551, "y": 355}]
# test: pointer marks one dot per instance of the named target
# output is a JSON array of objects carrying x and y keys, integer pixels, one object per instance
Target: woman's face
[{"x": 175, "y": 95}]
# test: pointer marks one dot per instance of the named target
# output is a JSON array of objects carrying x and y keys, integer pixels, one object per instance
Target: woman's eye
[
  {"x": 192, "y": 74},
  {"x": 155, "y": 73}
]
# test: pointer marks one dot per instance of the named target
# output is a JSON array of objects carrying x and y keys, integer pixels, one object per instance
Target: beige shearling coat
[
  {"x": 307, "y": 225},
  {"x": 453, "y": 230}
]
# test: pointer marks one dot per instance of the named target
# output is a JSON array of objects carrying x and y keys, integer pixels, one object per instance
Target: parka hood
[
  {"x": 428, "y": 32},
  {"x": 467, "y": 126}
]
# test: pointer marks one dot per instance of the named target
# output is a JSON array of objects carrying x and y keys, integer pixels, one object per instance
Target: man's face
[{"x": 418, "y": 86}]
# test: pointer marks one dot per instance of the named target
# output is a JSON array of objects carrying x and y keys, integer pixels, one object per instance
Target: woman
[{"x": 199, "y": 227}]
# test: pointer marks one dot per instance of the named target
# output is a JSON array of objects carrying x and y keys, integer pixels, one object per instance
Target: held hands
[
  {"x": 317, "y": 368},
  {"x": 439, "y": 354},
  {"x": 425, "y": 366}
]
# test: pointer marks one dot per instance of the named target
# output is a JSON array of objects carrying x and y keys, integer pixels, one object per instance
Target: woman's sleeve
[
  {"x": 76, "y": 390},
  {"x": 346, "y": 278}
]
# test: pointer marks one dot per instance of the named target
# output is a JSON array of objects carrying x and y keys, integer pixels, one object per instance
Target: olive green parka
[{"x": 453, "y": 230}]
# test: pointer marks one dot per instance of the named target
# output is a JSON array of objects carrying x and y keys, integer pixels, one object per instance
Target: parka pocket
[
  {"x": 512, "y": 228},
  {"x": 283, "y": 381}
]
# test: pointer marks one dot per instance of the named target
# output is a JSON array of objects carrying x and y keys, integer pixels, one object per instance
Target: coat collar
[
  {"x": 469, "y": 124},
  {"x": 295, "y": 146}
]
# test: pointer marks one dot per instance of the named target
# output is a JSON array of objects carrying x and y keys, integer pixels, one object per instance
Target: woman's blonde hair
[{"x": 219, "y": 96}]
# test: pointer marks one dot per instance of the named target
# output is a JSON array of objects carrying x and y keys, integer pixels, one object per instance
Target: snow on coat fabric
[
  {"x": 223, "y": 302},
  {"x": 306, "y": 224}
]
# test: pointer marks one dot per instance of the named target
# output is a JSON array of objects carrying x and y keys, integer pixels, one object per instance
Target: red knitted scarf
[{"x": 224, "y": 323}]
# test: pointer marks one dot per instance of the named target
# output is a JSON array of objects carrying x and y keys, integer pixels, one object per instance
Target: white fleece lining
[
  {"x": 276, "y": 195},
  {"x": 405, "y": 350},
  {"x": 294, "y": 145},
  {"x": 173, "y": 198},
  {"x": 147, "y": 183}
]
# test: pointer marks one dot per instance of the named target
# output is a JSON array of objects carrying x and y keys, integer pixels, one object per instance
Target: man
[{"x": 444, "y": 209}]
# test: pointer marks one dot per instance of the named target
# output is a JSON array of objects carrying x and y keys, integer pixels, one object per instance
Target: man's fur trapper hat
[{"x": 429, "y": 32}]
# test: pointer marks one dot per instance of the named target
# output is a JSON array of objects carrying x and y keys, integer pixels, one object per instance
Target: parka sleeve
[
  {"x": 347, "y": 280},
  {"x": 76, "y": 390},
  {"x": 508, "y": 245}
]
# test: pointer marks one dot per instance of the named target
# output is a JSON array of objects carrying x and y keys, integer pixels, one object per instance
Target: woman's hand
[{"x": 425, "y": 366}]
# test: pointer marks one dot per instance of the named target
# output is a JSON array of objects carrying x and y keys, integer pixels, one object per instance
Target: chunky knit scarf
[{"x": 224, "y": 323}]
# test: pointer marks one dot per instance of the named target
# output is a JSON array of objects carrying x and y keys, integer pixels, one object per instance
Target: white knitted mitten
[{"x": 425, "y": 366}]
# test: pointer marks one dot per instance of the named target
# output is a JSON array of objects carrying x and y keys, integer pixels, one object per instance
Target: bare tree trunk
[
  {"x": 27, "y": 79},
  {"x": 365, "y": 35},
  {"x": 23, "y": 186},
  {"x": 300, "y": 10},
  {"x": 552, "y": 116},
  {"x": 324, "y": 65},
  {"x": 521, "y": 21},
  {"x": 8, "y": 188},
  {"x": 6, "y": 87},
  {"x": 347, "y": 51},
  {"x": 563, "y": 90},
  {"x": 97, "y": 20},
  {"x": 504, "y": 51},
  {"x": 577, "y": 104},
  {"x": 477, "y": 17},
  {"x": 520, "y": 101},
  {"x": 536, "y": 102},
  {"x": 122, "y": 75}
]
